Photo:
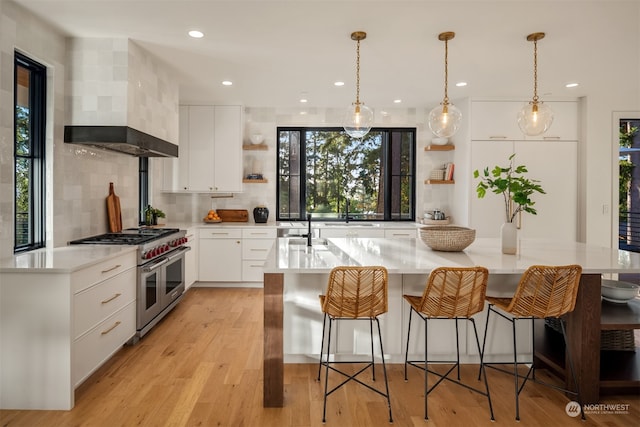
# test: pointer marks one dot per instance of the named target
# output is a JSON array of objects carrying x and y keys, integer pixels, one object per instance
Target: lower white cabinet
[
  {"x": 191, "y": 258},
  {"x": 401, "y": 233},
  {"x": 256, "y": 243},
  {"x": 351, "y": 231},
  {"x": 220, "y": 255},
  {"x": 57, "y": 326}
]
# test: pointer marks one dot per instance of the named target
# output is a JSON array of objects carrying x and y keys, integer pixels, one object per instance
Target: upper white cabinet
[
  {"x": 210, "y": 153},
  {"x": 498, "y": 120}
]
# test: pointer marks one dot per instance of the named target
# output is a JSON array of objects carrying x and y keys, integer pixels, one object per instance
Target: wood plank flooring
[{"x": 202, "y": 366}]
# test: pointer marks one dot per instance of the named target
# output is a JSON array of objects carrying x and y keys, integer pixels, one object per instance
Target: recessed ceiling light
[
  {"x": 338, "y": 84},
  {"x": 572, "y": 85},
  {"x": 227, "y": 83},
  {"x": 461, "y": 84},
  {"x": 196, "y": 34},
  {"x": 303, "y": 100},
  {"x": 397, "y": 101}
]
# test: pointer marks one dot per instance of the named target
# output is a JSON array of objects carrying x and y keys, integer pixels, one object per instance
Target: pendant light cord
[
  {"x": 445, "y": 101},
  {"x": 535, "y": 71},
  {"x": 358, "y": 73}
]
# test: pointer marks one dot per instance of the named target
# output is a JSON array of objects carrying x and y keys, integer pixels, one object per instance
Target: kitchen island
[{"x": 294, "y": 275}]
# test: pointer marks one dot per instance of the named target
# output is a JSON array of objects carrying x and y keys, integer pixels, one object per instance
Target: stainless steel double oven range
[{"x": 160, "y": 285}]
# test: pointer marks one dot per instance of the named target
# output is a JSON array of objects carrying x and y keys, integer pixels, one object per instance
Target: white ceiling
[{"x": 276, "y": 51}]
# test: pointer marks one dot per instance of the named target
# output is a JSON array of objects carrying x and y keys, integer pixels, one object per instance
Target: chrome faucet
[{"x": 309, "y": 229}]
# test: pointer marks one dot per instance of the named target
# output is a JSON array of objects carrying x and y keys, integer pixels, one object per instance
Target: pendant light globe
[
  {"x": 535, "y": 118},
  {"x": 358, "y": 120},
  {"x": 444, "y": 120}
]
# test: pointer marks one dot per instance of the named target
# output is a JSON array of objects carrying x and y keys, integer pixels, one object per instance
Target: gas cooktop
[{"x": 130, "y": 236}]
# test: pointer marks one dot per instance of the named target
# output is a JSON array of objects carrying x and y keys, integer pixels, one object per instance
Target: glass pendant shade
[
  {"x": 535, "y": 118},
  {"x": 444, "y": 120},
  {"x": 358, "y": 120}
]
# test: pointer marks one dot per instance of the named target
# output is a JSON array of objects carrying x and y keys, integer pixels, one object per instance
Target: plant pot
[{"x": 509, "y": 238}]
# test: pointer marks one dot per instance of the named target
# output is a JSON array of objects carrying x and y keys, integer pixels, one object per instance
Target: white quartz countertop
[
  {"x": 64, "y": 259},
  {"x": 412, "y": 256},
  {"x": 298, "y": 224}
]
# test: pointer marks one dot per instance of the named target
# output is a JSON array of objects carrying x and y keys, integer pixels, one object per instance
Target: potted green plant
[
  {"x": 516, "y": 190},
  {"x": 157, "y": 213}
]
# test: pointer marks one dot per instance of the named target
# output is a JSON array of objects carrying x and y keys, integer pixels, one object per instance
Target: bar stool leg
[
  {"x": 426, "y": 381},
  {"x": 484, "y": 341},
  {"x": 482, "y": 370},
  {"x": 324, "y": 324},
  {"x": 457, "y": 349},
  {"x": 373, "y": 361},
  {"x": 406, "y": 353},
  {"x": 326, "y": 375},
  {"x": 384, "y": 369},
  {"x": 515, "y": 368}
]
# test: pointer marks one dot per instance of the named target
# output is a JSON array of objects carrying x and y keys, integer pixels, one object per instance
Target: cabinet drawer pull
[
  {"x": 546, "y": 138},
  {"x": 401, "y": 234},
  {"x": 259, "y": 234},
  {"x": 256, "y": 265},
  {"x": 111, "y": 269},
  {"x": 115, "y": 325},
  {"x": 111, "y": 299},
  {"x": 497, "y": 137},
  {"x": 219, "y": 234},
  {"x": 258, "y": 250}
]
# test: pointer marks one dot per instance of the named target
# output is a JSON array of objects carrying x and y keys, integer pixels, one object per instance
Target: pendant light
[
  {"x": 535, "y": 118},
  {"x": 445, "y": 119},
  {"x": 359, "y": 117}
]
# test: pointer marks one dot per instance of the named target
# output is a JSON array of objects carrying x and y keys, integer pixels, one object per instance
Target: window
[
  {"x": 325, "y": 172},
  {"x": 29, "y": 151}
]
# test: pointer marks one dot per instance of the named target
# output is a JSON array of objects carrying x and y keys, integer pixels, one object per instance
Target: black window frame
[
  {"x": 385, "y": 158},
  {"x": 37, "y": 154},
  {"x": 143, "y": 188}
]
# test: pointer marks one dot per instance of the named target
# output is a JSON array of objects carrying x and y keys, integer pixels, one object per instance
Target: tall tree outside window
[
  {"x": 29, "y": 151},
  {"x": 325, "y": 172}
]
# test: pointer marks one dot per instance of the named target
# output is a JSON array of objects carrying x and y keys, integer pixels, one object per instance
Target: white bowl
[
  {"x": 257, "y": 138},
  {"x": 618, "y": 291},
  {"x": 440, "y": 141}
]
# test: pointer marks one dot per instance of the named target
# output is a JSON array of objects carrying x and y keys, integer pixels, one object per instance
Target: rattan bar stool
[
  {"x": 354, "y": 293},
  {"x": 542, "y": 292},
  {"x": 451, "y": 293}
]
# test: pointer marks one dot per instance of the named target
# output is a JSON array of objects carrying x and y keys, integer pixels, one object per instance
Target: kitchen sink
[
  {"x": 303, "y": 242},
  {"x": 350, "y": 224}
]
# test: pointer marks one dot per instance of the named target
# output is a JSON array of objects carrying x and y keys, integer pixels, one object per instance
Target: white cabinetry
[
  {"x": 63, "y": 326},
  {"x": 552, "y": 159},
  {"x": 191, "y": 258},
  {"x": 210, "y": 151},
  {"x": 498, "y": 120},
  {"x": 220, "y": 254},
  {"x": 256, "y": 243}
]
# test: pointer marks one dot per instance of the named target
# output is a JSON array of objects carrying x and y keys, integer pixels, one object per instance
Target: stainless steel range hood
[{"x": 122, "y": 139}]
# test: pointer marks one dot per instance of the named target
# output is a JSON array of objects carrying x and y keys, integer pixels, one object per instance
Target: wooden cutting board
[
  {"x": 233, "y": 215},
  {"x": 113, "y": 211}
]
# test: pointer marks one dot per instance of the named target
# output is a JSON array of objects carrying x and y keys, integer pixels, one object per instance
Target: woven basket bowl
[{"x": 447, "y": 238}]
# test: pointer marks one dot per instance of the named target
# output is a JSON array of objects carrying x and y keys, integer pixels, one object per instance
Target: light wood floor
[{"x": 202, "y": 366}]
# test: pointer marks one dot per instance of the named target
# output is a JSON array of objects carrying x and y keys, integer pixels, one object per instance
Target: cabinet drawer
[
  {"x": 89, "y": 276},
  {"x": 94, "y": 304},
  {"x": 407, "y": 233},
  {"x": 252, "y": 271},
  {"x": 220, "y": 233},
  {"x": 256, "y": 248},
  {"x": 351, "y": 232},
  {"x": 259, "y": 233},
  {"x": 96, "y": 346}
]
